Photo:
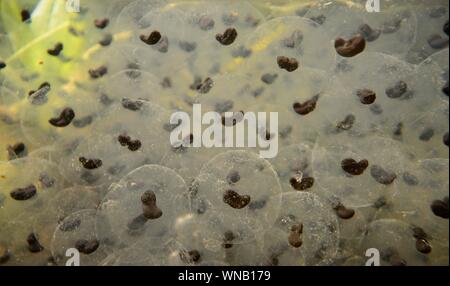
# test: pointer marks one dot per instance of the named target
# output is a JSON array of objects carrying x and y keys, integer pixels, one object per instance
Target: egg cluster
[{"x": 86, "y": 162}]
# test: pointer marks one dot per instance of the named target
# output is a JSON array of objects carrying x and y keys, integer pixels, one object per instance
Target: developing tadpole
[
  {"x": 353, "y": 167},
  {"x": 227, "y": 37},
  {"x": 307, "y": 106},
  {"x": 90, "y": 164},
  {"x": 295, "y": 235},
  {"x": 288, "y": 64},
  {"x": 234, "y": 200},
  {"x": 149, "y": 207},
  {"x": 64, "y": 119},
  {"x": 350, "y": 48},
  {"x": 23, "y": 194}
]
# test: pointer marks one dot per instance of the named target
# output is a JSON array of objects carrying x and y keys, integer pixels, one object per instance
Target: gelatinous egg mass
[{"x": 99, "y": 162}]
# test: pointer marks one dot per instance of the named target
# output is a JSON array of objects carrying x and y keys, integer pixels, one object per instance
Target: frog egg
[
  {"x": 391, "y": 80},
  {"x": 208, "y": 236},
  {"x": 120, "y": 215},
  {"x": 395, "y": 241},
  {"x": 60, "y": 205},
  {"x": 377, "y": 178},
  {"x": 240, "y": 186},
  {"x": 144, "y": 85},
  {"x": 345, "y": 114},
  {"x": 76, "y": 233},
  {"x": 12, "y": 135},
  {"x": 249, "y": 254},
  {"x": 188, "y": 162},
  {"x": 411, "y": 204},
  {"x": 351, "y": 230},
  {"x": 294, "y": 122},
  {"x": 13, "y": 240},
  {"x": 74, "y": 199},
  {"x": 35, "y": 118},
  {"x": 108, "y": 159},
  {"x": 61, "y": 149},
  {"x": 131, "y": 16},
  {"x": 269, "y": 84},
  {"x": 432, "y": 75},
  {"x": 425, "y": 132},
  {"x": 194, "y": 242},
  {"x": 329, "y": 16},
  {"x": 319, "y": 236},
  {"x": 294, "y": 162},
  {"x": 308, "y": 43},
  {"x": 432, "y": 16},
  {"x": 206, "y": 21},
  {"x": 39, "y": 180},
  {"x": 228, "y": 93},
  {"x": 23, "y": 202},
  {"x": 160, "y": 58},
  {"x": 291, "y": 126},
  {"x": 398, "y": 25},
  {"x": 146, "y": 128}
]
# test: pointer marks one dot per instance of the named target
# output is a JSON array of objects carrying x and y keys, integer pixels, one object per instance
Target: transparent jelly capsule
[
  {"x": 348, "y": 111},
  {"x": 397, "y": 24},
  {"x": 27, "y": 185},
  {"x": 212, "y": 237},
  {"x": 306, "y": 231},
  {"x": 273, "y": 86},
  {"x": 430, "y": 37},
  {"x": 71, "y": 113},
  {"x": 60, "y": 205},
  {"x": 293, "y": 165},
  {"x": 355, "y": 174},
  {"x": 422, "y": 186},
  {"x": 139, "y": 128},
  {"x": 425, "y": 132},
  {"x": 188, "y": 161},
  {"x": 389, "y": 79},
  {"x": 136, "y": 84},
  {"x": 396, "y": 243},
  {"x": 74, "y": 199},
  {"x": 209, "y": 21},
  {"x": 22, "y": 244},
  {"x": 292, "y": 37},
  {"x": 131, "y": 15},
  {"x": 126, "y": 217},
  {"x": 163, "y": 57},
  {"x": 193, "y": 243},
  {"x": 225, "y": 93},
  {"x": 432, "y": 76},
  {"x": 15, "y": 146},
  {"x": 292, "y": 127},
  {"x": 24, "y": 202},
  {"x": 240, "y": 186},
  {"x": 297, "y": 103},
  {"x": 75, "y": 238},
  {"x": 43, "y": 153},
  {"x": 351, "y": 230},
  {"x": 98, "y": 160},
  {"x": 329, "y": 16}
]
